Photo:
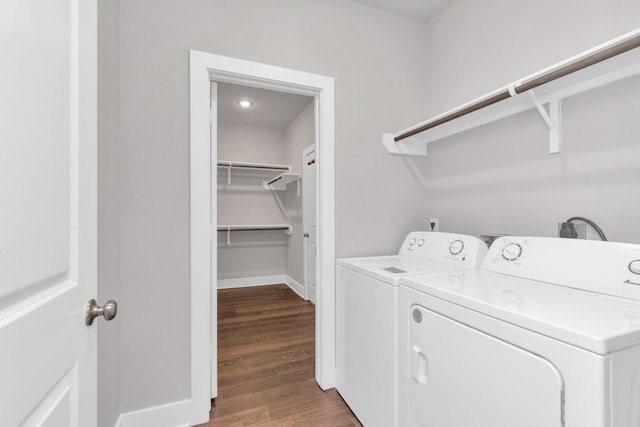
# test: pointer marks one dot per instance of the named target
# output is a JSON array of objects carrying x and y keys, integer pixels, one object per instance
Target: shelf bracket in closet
[{"x": 279, "y": 183}]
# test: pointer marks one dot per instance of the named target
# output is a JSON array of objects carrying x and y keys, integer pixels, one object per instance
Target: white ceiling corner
[{"x": 269, "y": 108}]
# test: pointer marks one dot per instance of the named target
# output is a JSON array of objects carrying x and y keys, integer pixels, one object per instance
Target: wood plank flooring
[{"x": 266, "y": 363}]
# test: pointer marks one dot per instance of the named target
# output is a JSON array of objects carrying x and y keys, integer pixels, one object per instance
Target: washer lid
[
  {"x": 595, "y": 322},
  {"x": 389, "y": 269}
]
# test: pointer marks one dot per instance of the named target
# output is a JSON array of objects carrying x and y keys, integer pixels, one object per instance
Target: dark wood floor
[{"x": 266, "y": 356}]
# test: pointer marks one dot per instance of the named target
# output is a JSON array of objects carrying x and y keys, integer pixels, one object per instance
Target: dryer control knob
[
  {"x": 420, "y": 242},
  {"x": 512, "y": 252},
  {"x": 456, "y": 247},
  {"x": 634, "y": 266},
  {"x": 412, "y": 241}
]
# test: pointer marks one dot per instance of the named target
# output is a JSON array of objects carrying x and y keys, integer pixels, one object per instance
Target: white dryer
[
  {"x": 366, "y": 317},
  {"x": 545, "y": 334}
]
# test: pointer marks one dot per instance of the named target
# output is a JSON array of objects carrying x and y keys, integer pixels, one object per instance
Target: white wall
[
  {"x": 245, "y": 201},
  {"x": 298, "y": 135},
  {"x": 378, "y": 75},
  {"x": 500, "y": 178}
]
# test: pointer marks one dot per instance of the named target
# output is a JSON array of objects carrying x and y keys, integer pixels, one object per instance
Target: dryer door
[{"x": 460, "y": 376}]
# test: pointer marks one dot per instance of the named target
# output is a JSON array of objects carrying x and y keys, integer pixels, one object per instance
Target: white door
[
  {"x": 47, "y": 212},
  {"x": 309, "y": 180},
  {"x": 459, "y": 376}
]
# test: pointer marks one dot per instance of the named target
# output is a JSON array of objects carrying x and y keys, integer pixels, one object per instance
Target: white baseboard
[
  {"x": 176, "y": 414},
  {"x": 242, "y": 282},
  {"x": 295, "y": 286}
]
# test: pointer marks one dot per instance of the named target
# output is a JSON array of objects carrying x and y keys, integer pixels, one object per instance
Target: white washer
[
  {"x": 545, "y": 334},
  {"x": 366, "y": 317}
]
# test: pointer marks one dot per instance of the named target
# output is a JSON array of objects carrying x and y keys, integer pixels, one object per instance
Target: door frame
[
  {"x": 305, "y": 223},
  {"x": 207, "y": 67}
]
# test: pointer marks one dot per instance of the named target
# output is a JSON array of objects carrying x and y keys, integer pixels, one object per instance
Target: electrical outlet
[{"x": 433, "y": 224}]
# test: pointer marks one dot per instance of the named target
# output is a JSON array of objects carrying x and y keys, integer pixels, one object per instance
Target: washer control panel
[
  {"x": 512, "y": 251},
  {"x": 456, "y": 247},
  {"x": 610, "y": 268},
  {"x": 445, "y": 248}
]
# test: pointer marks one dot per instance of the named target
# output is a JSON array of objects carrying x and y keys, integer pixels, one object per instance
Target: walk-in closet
[{"x": 261, "y": 136}]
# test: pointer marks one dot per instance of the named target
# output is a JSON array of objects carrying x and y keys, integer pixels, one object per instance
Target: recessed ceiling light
[{"x": 244, "y": 103}]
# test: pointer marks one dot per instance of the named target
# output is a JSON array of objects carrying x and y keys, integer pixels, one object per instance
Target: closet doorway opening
[
  {"x": 208, "y": 73},
  {"x": 260, "y": 136}
]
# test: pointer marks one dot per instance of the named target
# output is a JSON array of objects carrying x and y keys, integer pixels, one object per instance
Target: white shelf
[
  {"x": 281, "y": 181},
  {"x": 267, "y": 167},
  {"x": 616, "y": 68},
  {"x": 287, "y": 228}
]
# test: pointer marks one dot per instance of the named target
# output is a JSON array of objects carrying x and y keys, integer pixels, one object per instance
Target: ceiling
[
  {"x": 418, "y": 10},
  {"x": 269, "y": 108}
]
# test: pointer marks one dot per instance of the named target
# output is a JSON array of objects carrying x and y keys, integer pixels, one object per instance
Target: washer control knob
[
  {"x": 412, "y": 241},
  {"x": 634, "y": 266},
  {"x": 456, "y": 247},
  {"x": 420, "y": 242},
  {"x": 512, "y": 252}
]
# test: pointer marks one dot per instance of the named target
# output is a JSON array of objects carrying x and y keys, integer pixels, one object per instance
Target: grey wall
[
  {"x": 390, "y": 73},
  {"x": 298, "y": 136},
  {"x": 500, "y": 178},
  {"x": 373, "y": 58},
  {"x": 108, "y": 211},
  {"x": 245, "y": 201}
]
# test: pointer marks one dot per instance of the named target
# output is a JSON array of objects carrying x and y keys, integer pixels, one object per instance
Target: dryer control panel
[
  {"x": 605, "y": 267},
  {"x": 457, "y": 250}
]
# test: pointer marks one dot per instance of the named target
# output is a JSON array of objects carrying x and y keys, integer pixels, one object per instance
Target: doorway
[
  {"x": 260, "y": 138},
  {"x": 205, "y": 68}
]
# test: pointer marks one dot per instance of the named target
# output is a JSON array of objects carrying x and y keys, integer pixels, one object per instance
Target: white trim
[
  {"x": 204, "y": 68},
  {"x": 212, "y": 260},
  {"x": 202, "y": 262},
  {"x": 245, "y": 282},
  {"x": 295, "y": 286},
  {"x": 325, "y": 239},
  {"x": 275, "y": 279},
  {"x": 175, "y": 414}
]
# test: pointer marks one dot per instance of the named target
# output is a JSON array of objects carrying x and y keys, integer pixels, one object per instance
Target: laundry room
[{"x": 394, "y": 163}]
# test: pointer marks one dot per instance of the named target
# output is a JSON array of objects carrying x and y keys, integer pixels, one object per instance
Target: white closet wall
[{"x": 252, "y": 255}]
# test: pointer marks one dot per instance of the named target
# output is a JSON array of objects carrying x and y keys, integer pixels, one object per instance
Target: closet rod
[
  {"x": 609, "y": 52},
  {"x": 500, "y": 96},
  {"x": 551, "y": 75},
  {"x": 253, "y": 229},
  {"x": 252, "y": 166},
  {"x": 276, "y": 179}
]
